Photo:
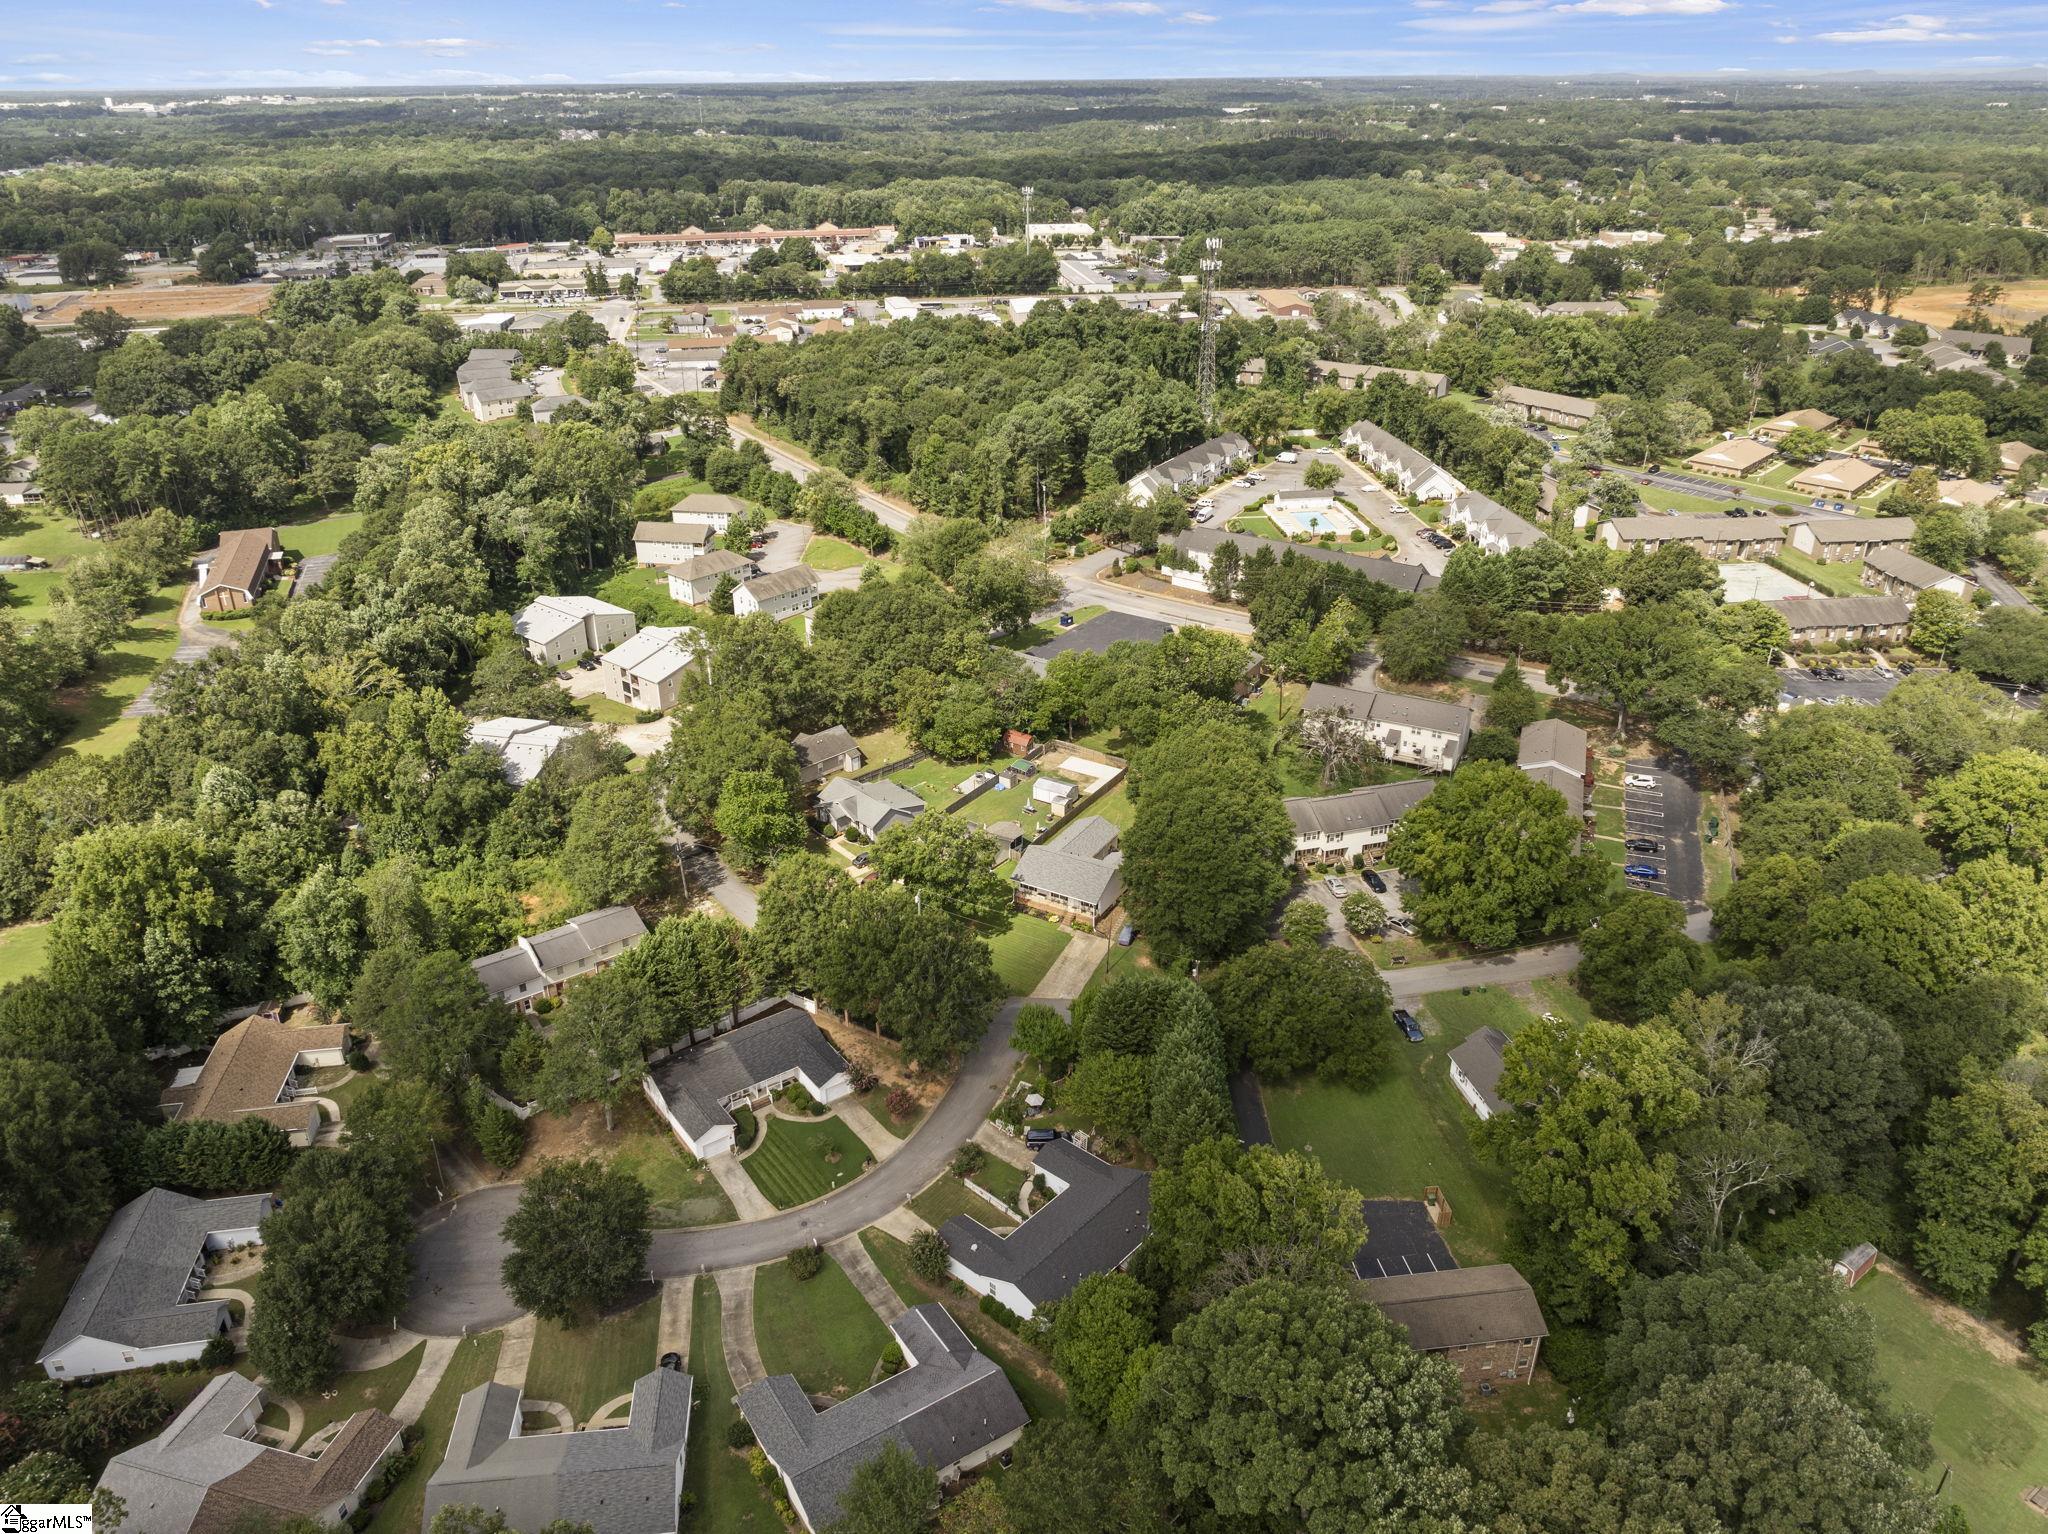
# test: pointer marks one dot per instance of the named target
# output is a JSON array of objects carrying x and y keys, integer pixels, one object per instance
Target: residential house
[
  {"x": 1490, "y": 526},
  {"x": 820, "y": 755},
  {"x": 208, "y": 1472},
  {"x": 1737, "y": 458},
  {"x": 1579, "y": 308},
  {"x": 714, "y": 511},
  {"x": 669, "y": 543},
  {"x": 20, "y": 397},
  {"x": 1198, "y": 546},
  {"x": 623, "y": 1478},
  {"x": 1872, "y": 323},
  {"x": 695, "y": 581},
  {"x": 1407, "y": 469},
  {"x": 1359, "y": 375},
  {"x": 252, "y": 1071},
  {"x": 1420, "y": 731},
  {"x": 1097, "y": 1220},
  {"x": 1829, "y": 539},
  {"x": 525, "y": 744},
  {"x": 1253, "y": 374},
  {"x": 1715, "y": 537},
  {"x": 1842, "y": 477},
  {"x": 1485, "y": 1321},
  {"x": 546, "y": 406},
  {"x": 1555, "y": 753},
  {"x": 136, "y": 1303},
  {"x": 1566, "y": 410},
  {"x": 869, "y": 808},
  {"x": 542, "y": 965},
  {"x": 240, "y": 569},
  {"x": 778, "y": 593},
  {"x": 2013, "y": 456},
  {"x": 1475, "y": 1070},
  {"x": 1096, "y": 635},
  {"x": 1901, "y": 573},
  {"x": 1795, "y": 420},
  {"x": 1942, "y": 357},
  {"x": 1970, "y": 493},
  {"x": 1199, "y": 465},
  {"x": 556, "y": 629},
  {"x": 1855, "y": 620},
  {"x": 1078, "y": 872},
  {"x": 696, "y": 1092},
  {"x": 1335, "y": 828},
  {"x": 951, "y": 1408},
  {"x": 646, "y": 672},
  {"x": 2017, "y": 349}
]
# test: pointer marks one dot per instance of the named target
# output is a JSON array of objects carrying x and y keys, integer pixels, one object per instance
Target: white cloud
[
  {"x": 1903, "y": 29},
  {"x": 1644, "y": 7},
  {"x": 1089, "y": 7},
  {"x": 343, "y": 47},
  {"x": 891, "y": 29},
  {"x": 1197, "y": 19}
]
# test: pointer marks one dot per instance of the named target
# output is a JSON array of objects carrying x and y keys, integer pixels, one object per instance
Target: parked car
[
  {"x": 1204, "y": 514},
  {"x": 1374, "y": 882},
  {"x": 1639, "y": 844},
  {"x": 1411, "y": 1030},
  {"x": 1738, "y": 511},
  {"x": 1640, "y": 780},
  {"x": 1290, "y": 456},
  {"x": 1333, "y": 884},
  {"x": 1907, "y": 668},
  {"x": 588, "y": 663},
  {"x": 1037, "y": 1137},
  {"x": 1640, "y": 871}
]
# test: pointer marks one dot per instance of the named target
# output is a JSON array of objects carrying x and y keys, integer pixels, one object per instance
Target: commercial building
[
  {"x": 1419, "y": 731},
  {"x": 778, "y": 593},
  {"x": 1338, "y": 827},
  {"x": 252, "y": 1071},
  {"x": 1078, "y": 872},
  {"x": 1484, "y": 1321},
  {"x": 950, "y": 1407},
  {"x": 1095, "y": 1224},
  {"x": 646, "y": 672},
  {"x": 696, "y": 1092},
  {"x": 1566, "y": 410},
  {"x": 240, "y": 570},
  {"x": 1408, "y": 469},
  {"x": 544, "y": 964},
  {"x": 1737, "y": 458},
  {"x": 556, "y": 630},
  {"x": 136, "y": 1304}
]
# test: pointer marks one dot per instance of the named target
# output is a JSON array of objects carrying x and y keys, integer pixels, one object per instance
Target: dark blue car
[
  {"x": 1411, "y": 1030},
  {"x": 1640, "y": 871}
]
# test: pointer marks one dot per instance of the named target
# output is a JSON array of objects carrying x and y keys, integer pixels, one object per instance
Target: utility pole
[
  {"x": 1027, "y": 212},
  {"x": 1205, "y": 381}
]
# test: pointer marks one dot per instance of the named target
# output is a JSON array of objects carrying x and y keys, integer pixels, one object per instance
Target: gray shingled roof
[
  {"x": 1461, "y": 1308},
  {"x": 1092, "y": 1227},
  {"x": 1833, "y": 612},
  {"x": 1397, "y": 708},
  {"x": 951, "y": 1402},
  {"x": 1387, "y": 572},
  {"x": 817, "y": 754},
  {"x": 1076, "y": 864},
  {"x": 868, "y": 804},
  {"x": 696, "y": 1083},
  {"x": 1360, "y": 810},
  {"x": 1480, "y": 1058},
  {"x": 164, "y": 1481},
  {"x": 551, "y": 953},
  {"x": 787, "y": 582},
  {"x": 1904, "y": 565},
  {"x": 1366, "y": 434},
  {"x": 131, "y": 1291},
  {"x": 619, "y": 1479}
]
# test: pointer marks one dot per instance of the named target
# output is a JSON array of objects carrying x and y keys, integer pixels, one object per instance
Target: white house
[
  {"x": 1042, "y": 1260},
  {"x": 1490, "y": 526},
  {"x": 696, "y": 1092},
  {"x": 555, "y": 630},
  {"x": 778, "y": 593},
  {"x": 695, "y": 581},
  {"x": 1475, "y": 1071},
  {"x": 543, "y": 964},
  {"x": 713, "y": 510},
  {"x": 669, "y": 543},
  {"x": 1192, "y": 469},
  {"x": 646, "y": 672},
  {"x": 1419, "y": 731},
  {"x": 1338, "y": 827},
  {"x": 1410, "y": 471},
  {"x": 525, "y": 744},
  {"x": 137, "y": 1302}
]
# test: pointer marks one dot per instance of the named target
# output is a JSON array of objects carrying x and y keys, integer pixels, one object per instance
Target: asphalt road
[
  {"x": 1668, "y": 814},
  {"x": 1514, "y": 967},
  {"x": 800, "y": 467},
  {"x": 460, "y": 1249},
  {"x": 2003, "y": 592}
]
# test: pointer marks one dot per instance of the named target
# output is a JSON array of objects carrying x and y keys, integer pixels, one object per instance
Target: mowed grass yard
[
  {"x": 826, "y": 553},
  {"x": 585, "y": 1366},
  {"x": 820, "y": 1330},
  {"x": 726, "y": 1499},
  {"x": 23, "y": 950},
  {"x": 1990, "y": 1417},
  {"x": 797, "y": 1162},
  {"x": 475, "y": 1361},
  {"x": 1411, "y": 1130},
  {"x": 1026, "y": 951},
  {"x": 379, "y": 1388}
]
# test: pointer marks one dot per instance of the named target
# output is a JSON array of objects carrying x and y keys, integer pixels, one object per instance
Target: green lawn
[
  {"x": 1030, "y": 1375},
  {"x": 23, "y": 950},
  {"x": 820, "y": 1330},
  {"x": 118, "y": 680},
  {"x": 948, "y": 1197},
  {"x": 681, "y": 1195},
  {"x": 609, "y": 710},
  {"x": 726, "y": 1499},
  {"x": 379, "y": 1388},
  {"x": 798, "y": 1162},
  {"x": 938, "y": 783},
  {"x": 322, "y": 535},
  {"x": 1557, "y": 995},
  {"x": 1258, "y": 524},
  {"x": 1025, "y": 952},
  {"x": 1837, "y": 580},
  {"x": 1035, "y": 634},
  {"x": 1001, "y": 1179},
  {"x": 475, "y": 1361},
  {"x": 1411, "y": 1130},
  {"x": 645, "y": 593},
  {"x": 823, "y": 553},
  {"x": 1990, "y": 1417},
  {"x": 585, "y": 1366},
  {"x": 876, "y": 1101},
  {"x": 884, "y": 747},
  {"x": 1116, "y": 807}
]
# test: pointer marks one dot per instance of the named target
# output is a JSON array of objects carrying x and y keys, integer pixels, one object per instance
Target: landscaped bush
[
  {"x": 892, "y": 1358},
  {"x": 759, "y": 1468},
  {"x": 739, "y": 1434},
  {"x": 1001, "y": 1314},
  {"x": 967, "y": 1160},
  {"x": 743, "y": 1127},
  {"x": 902, "y": 1103},
  {"x": 863, "y": 1079},
  {"x": 805, "y": 1263},
  {"x": 218, "y": 1353},
  {"x": 929, "y": 1257},
  {"x": 797, "y": 1100}
]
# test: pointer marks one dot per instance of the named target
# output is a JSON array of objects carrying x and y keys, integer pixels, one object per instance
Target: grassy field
[
  {"x": 798, "y": 1162},
  {"x": 585, "y": 1366},
  {"x": 645, "y": 593},
  {"x": 609, "y": 710},
  {"x": 1935, "y": 303},
  {"x": 1837, "y": 580},
  {"x": 680, "y": 1195},
  {"x": 475, "y": 1361},
  {"x": 1030, "y": 1375},
  {"x": 322, "y": 535},
  {"x": 1990, "y": 1417},
  {"x": 1034, "y": 634},
  {"x": 820, "y": 1330},
  {"x": 948, "y": 1197},
  {"x": 823, "y": 553},
  {"x": 118, "y": 680},
  {"x": 727, "y": 1500},
  {"x": 23, "y": 950},
  {"x": 1411, "y": 1130},
  {"x": 1025, "y": 952},
  {"x": 379, "y": 1388},
  {"x": 938, "y": 783}
]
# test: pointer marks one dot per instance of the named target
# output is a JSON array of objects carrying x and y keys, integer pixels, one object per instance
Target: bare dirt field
[
  {"x": 2021, "y": 304},
  {"x": 155, "y": 306}
]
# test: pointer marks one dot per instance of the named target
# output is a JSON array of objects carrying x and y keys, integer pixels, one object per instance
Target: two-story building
[
  {"x": 544, "y": 964},
  {"x": 1422, "y": 732},
  {"x": 777, "y": 593},
  {"x": 1334, "y": 828},
  {"x": 557, "y": 629},
  {"x": 1899, "y": 572},
  {"x": 1489, "y": 526},
  {"x": 1410, "y": 470},
  {"x": 646, "y": 672}
]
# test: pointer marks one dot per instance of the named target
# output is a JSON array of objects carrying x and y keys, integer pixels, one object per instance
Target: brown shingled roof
[
  {"x": 280, "y": 1482},
  {"x": 246, "y": 1070},
  {"x": 241, "y": 561}
]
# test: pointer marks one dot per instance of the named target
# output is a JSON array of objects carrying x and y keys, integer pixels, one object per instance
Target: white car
[
  {"x": 1640, "y": 780},
  {"x": 1204, "y": 514}
]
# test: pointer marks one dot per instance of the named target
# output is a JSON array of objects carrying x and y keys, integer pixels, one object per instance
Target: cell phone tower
[
  {"x": 1027, "y": 213},
  {"x": 1205, "y": 380}
]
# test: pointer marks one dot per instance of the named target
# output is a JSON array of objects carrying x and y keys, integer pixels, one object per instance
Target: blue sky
[{"x": 185, "y": 44}]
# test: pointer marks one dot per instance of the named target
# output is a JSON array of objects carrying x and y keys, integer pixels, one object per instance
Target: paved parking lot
[
  {"x": 1668, "y": 813},
  {"x": 1360, "y": 488}
]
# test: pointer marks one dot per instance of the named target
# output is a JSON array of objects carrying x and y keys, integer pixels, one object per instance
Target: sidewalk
[
  {"x": 440, "y": 1353},
  {"x": 514, "y": 1351}
]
